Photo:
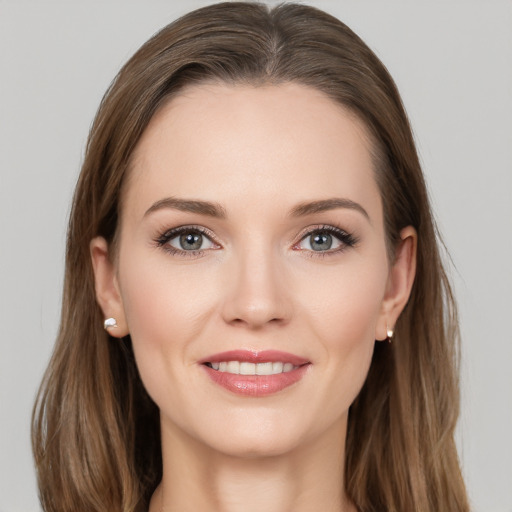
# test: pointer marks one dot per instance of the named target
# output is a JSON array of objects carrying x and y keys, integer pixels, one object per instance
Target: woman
[{"x": 250, "y": 222}]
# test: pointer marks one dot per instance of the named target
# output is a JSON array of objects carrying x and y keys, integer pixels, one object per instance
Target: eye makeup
[
  {"x": 321, "y": 239},
  {"x": 195, "y": 241},
  {"x": 192, "y": 238}
]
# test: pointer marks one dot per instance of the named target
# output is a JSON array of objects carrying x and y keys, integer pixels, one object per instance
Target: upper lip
[{"x": 249, "y": 356}]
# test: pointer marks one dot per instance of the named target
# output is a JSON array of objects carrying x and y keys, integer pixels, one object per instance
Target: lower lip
[{"x": 256, "y": 385}]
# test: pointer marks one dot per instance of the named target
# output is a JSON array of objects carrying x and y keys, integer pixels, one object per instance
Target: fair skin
[{"x": 265, "y": 273}]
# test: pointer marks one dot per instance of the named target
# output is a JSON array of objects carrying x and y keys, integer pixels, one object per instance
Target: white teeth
[
  {"x": 244, "y": 368},
  {"x": 264, "y": 369},
  {"x": 233, "y": 367},
  {"x": 277, "y": 367},
  {"x": 287, "y": 367},
  {"x": 247, "y": 369}
]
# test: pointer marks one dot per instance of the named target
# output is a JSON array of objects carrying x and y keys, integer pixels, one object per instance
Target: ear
[
  {"x": 108, "y": 295},
  {"x": 400, "y": 281}
]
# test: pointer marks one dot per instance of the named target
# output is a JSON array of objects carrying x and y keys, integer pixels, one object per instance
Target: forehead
[{"x": 232, "y": 143}]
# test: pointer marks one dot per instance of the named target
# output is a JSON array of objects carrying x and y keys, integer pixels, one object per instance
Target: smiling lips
[{"x": 255, "y": 373}]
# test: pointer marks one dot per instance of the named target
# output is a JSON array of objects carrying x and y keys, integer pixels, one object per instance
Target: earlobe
[
  {"x": 400, "y": 281},
  {"x": 108, "y": 295}
]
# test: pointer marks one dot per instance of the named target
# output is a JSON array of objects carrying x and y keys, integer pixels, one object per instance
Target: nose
[{"x": 256, "y": 294}]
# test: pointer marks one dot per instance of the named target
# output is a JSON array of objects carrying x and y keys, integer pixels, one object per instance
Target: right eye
[
  {"x": 187, "y": 241},
  {"x": 191, "y": 240}
]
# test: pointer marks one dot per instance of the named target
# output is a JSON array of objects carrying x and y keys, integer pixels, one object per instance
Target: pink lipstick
[{"x": 255, "y": 373}]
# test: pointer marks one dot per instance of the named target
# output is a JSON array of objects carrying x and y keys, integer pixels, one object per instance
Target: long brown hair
[{"x": 95, "y": 430}]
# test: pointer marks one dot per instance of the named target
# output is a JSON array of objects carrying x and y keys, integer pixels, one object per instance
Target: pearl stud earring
[{"x": 109, "y": 323}]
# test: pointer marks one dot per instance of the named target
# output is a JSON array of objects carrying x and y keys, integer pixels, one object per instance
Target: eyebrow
[
  {"x": 187, "y": 205},
  {"x": 303, "y": 209},
  {"x": 215, "y": 210}
]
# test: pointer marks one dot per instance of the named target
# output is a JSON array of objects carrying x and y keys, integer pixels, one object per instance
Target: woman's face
[{"x": 252, "y": 222}]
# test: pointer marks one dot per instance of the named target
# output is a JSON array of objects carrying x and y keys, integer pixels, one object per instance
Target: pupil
[
  {"x": 191, "y": 241},
  {"x": 321, "y": 242}
]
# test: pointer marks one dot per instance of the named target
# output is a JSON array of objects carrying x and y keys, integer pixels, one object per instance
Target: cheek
[
  {"x": 346, "y": 308},
  {"x": 162, "y": 300},
  {"x": 343, "y": 318},
  {"x": 165, "y": 309}
]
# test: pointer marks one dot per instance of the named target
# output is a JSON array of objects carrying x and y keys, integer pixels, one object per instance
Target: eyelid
[
  {"x": 175, "y": 241},
  {"x": 163, "y": 239},
  {"x": 345, "y": 238}
]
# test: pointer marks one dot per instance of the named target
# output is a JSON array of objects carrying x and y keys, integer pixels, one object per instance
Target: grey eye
[
  {"x": 191, "y": 241},
  {"x": 320, "y": 241}
]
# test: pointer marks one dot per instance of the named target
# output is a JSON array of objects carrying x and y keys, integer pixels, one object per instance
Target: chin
[
  {"x": 244, "y": 446},
  {"x": 260, "y": 434}
]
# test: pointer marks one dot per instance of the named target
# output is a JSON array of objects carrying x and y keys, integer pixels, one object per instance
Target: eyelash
[
  {"x": 163, "y": 240},
  {"x": 347, "y": 240}
]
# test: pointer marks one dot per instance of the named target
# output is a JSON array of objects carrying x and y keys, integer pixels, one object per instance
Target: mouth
[
  {"x": 244, "y": 368},
  {"x": 255, "y": 373}
]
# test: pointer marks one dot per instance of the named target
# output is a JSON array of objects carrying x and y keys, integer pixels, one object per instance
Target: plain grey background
[{"x": 452, "y": 61}]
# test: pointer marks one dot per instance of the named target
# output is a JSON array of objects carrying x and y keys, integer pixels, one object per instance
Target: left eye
[
  {"x": 320, "y": 241},
  {"x": 191, "y": 241}
]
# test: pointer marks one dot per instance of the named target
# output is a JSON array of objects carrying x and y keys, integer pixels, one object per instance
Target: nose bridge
[{"x": 256, "y": 288}]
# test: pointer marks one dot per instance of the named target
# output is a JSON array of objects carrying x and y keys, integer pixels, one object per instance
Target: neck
[{"x": 307, "y": 478}]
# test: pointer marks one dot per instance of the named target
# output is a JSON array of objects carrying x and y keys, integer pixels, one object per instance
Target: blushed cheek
[
  {"x": 160, "y": 301},
  {"x": 345, "y": 323},
  {"x": 149, "y": 340},
  {"x": 166, "y": 310},
  {"x": 351, "y": 306},
  {"x": 151, "y": 322}
]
